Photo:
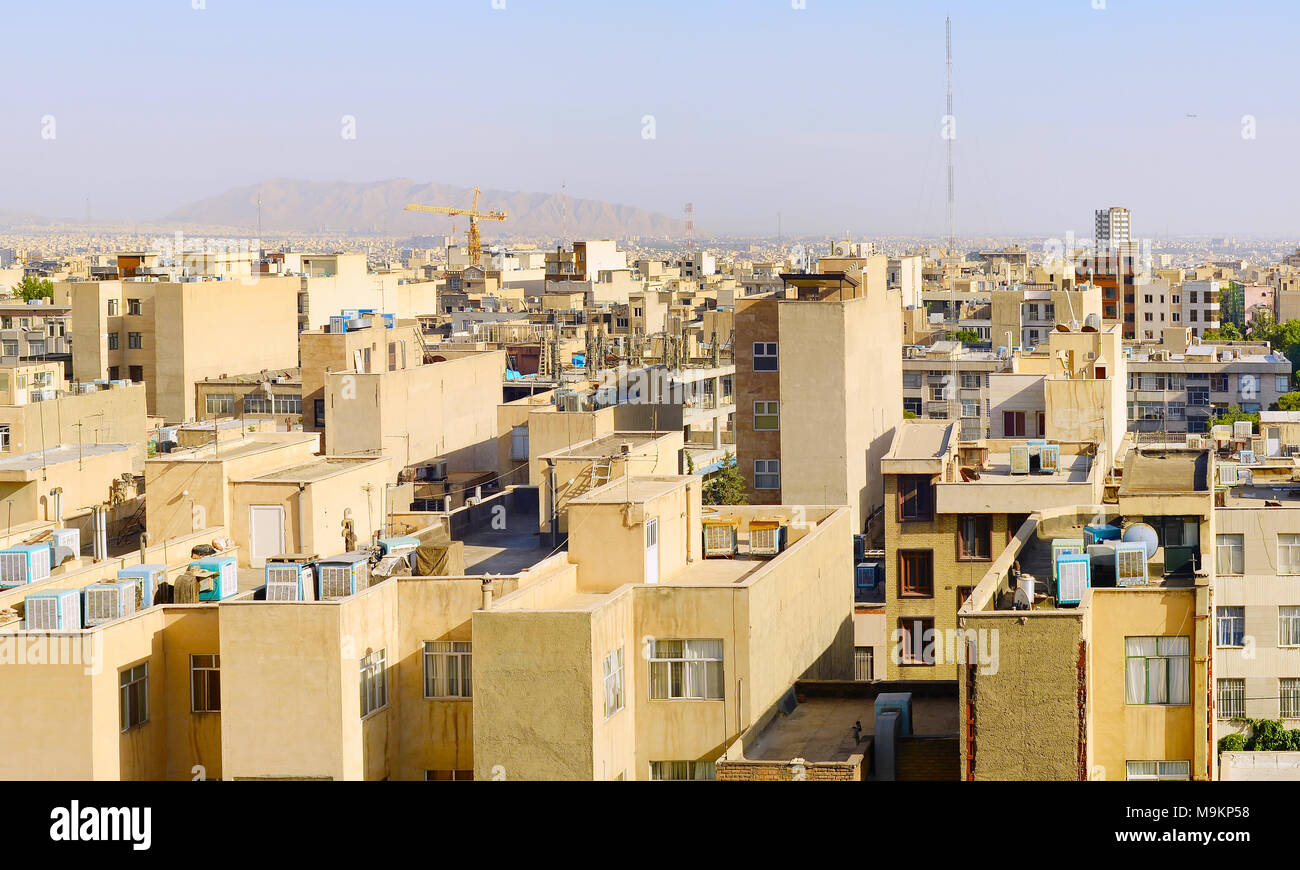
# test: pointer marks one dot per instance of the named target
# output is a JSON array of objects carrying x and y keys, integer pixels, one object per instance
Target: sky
[{"x": 829, "y": 114}]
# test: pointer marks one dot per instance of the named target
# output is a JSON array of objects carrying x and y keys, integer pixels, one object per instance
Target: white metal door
[
  {"x": 265, "y": 532},
  {"x": 652, "y": 550}
]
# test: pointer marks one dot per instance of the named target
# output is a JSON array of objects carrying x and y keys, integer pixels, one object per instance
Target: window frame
[
  {"x": 373, "y": 680},
  {"x": 612, "y": 682},
  {"x": 909, "y": 488},
  {"x": 766, "y": 351},
  {"x": 1292, "y": 545},
  {"x": 924, "y": 590},
  {"x": 1229, "y": 622},
  {"x": 209, "y": 674},
  {"x": 1146, "y": 683},
  {"x": 911, "y": 648},
  {"x": 767, "y": 464},
  {"x": 771, "y": 409},
  {"x": 984, "y": 536},
  {"x": 459, "y": 653},
  {"x": 129, "y": 707},
  {"x": 1224, "y": 686},
  {"x": 704, "y": 664}
]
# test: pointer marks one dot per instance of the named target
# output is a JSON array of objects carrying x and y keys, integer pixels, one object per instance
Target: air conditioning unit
[
  {"x": 1227, "y": 474},
  {"x": 1195, "y": 442},
  {"x": 69, "y": 539},
  {"x": 344, "y": 575},
  {"x": 1246, "y": 457},
  {"x": 435, "y": 470},
  {"x": 973, "y": 457},
  {"x": 53, "y": 611},
  {"x": 24, "y": 564},
  {"x": 226, "y": 582},
  {"x": 1064, "y": 547},
  {"x": 866, "y": 577},
  {"x": 1019, "y": 458},
  {"x": 1073, "y": 576},
  {"x": 766, "y": 537},
  {"x": 859, "y": 548},
  {"x": 290, "y": 577},
  {"x": 719, "y": 538},
  {"x": 1097, "y": 534},
  {"x": 105, "y": 602},
  {"x": 399, "y": 545},
  {"x": 146, "y": 579},
  {"x": 1242, "y": 429},
  {"x": 1131, "y": 564},
  {"x": 1049, "y": 458}
]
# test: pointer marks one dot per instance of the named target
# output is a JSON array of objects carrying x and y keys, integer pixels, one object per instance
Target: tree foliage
[
  {"x": 965, "y": 336},
  {"x": 32, "y": 287},
  {"x": 726, "y": 485},
  {"x": 1266, "y": 735},
  {"x": 1232, "y": 415},
  {"x": 1289, "y": 402}
]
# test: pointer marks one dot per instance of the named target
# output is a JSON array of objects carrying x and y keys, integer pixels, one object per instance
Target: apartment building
[
  {"x": 1108, "y": 678},
  {"x": 172, "y": 334},
  {"x": 1176, "y": 387},
  {"x": 1023, "y": 315},
  {"x": 639, "y": 666},
  {"x": 414, "y": 412},
  {"x": 818, "y": 391},
  {"x": 38, "y": 330},
  {"x": 268, "y": 395},
  {"x": 1200, "y": 305},
  {"x": 1111, "y": 225},
  {"x": 947, "y": 381}
]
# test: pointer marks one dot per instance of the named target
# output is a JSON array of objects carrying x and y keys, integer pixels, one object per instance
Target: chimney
[{"x": 487, "y": 594}]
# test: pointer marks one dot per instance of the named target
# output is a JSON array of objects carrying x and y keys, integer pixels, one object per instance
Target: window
[
  {"x": 1289, "y": 697},
  {"x": 914, "y": 636},
  {"x": 765, "y": 358},
  {"x": 1288, "y": 554},
  {"x": 864, "y": 664},
  {"x": 134, "y": 340},
  {"x": 1282, "y": 383},
  {"x": 1013, "y": 424},
  {"x": 4, "y": 437},
  {"x": 613, "y": 668},
  {"x": 221, "y": 403},
  {"x": 135, "y": 696},
  {"x": 1159, "y": 771},
  {"x": 1156, "y": 670},
  {"x": 970, "y": 407},
  {"x": 374, "y": 682},
  {"x": 686, "y": 670},
  {"x": 448, "y": 668},
  {"x": 974, "y": 534},
  {"x": 133, "y": 307},
  {"x": 766, "y": 416},
  {"x": 911, "y": 380},
  {"x": 1231, "y": 622},
  {"x": 257, "y": 403},
  {"x": 1198, "y": 396},
  {"x": 518, "y": 442},
  {"x": 970, "y": 380},
  {"x": 11, "y": 348},
  {"x": 319, "y": 413},
  {"x": 912, "y": 404},
  {"x": 1230, "y": 699},
  {"x": 1219, "y": 383},
  {"x": 682, "y": 770},
  {"x": 916, "y": 573},
  {"x": 1230, "y": 554},
  {"x": 767, "y": 474},
  {"x": 915, "y": 497},
  {"x": 1288, "y": 626},
  {"x": 114, "y": 339},
  {"x": 449, "y": 776},
  {"x": 205, "y": 684},
  {"x": 135, "y": 373},
  {"x": 112, "y": 308},
  {"x": 36, "y": 348}
]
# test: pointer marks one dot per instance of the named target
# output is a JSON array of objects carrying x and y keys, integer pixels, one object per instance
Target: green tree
[
  {"x": 1228, "y": 332},
  {"x": 965, "y": 336},
  {"x": 726, "y": 485},
  {"x": 32, "y": 287},
  {"x": 1288, "y": 402},
  {"x": 1232, "y": 415},
  {"x": 1232, "y": 301}
]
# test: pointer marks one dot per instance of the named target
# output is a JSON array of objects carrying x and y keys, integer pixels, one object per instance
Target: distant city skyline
[{"x": 830, "y": 114}]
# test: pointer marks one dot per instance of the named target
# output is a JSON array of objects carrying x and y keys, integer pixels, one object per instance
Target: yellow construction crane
[{"x": 474, "y": 215}]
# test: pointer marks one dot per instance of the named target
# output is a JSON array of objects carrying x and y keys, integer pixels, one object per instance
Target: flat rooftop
[
  {"x": 233, "y": 449},
  {"x": 608, "y": 445},
  {"x": 309, "y": 472},
  {"x": 821, "y": 728},
  {"x": 1165, "y": 471},
  {"x": 922, "y": 441},
  {"x": 24, "y": 462},
  {"x": 632, "y": 489},
  {"x": 1073, "y": 469}
]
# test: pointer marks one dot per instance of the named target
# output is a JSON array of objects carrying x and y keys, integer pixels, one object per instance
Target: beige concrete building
[{"x": 172, "y": 334}]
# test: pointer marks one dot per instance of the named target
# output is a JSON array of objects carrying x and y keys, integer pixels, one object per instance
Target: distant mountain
[{"x": 290, "y": 205}]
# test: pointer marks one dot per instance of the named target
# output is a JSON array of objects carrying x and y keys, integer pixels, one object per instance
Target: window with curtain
[
  {"x": 613, "y": 668},
  {"x": 1157, "y": 670},
  {"x": 1167, "y": 771},
  {"x": 1231, "y": 622},
  {"x": 686, "y": 670},
  {"x": 1288, "y": 625},
  {"x": 448, "y": 666},
  {"x": 1288, "y": 554},
  {"x": 682, "y": 770},
  {"x": 1230, "y": 554}
]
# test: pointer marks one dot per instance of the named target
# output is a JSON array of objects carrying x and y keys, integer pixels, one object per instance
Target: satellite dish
[{"x": 1141, "y": 533}]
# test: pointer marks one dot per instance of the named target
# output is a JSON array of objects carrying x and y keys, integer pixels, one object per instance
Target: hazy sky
[{"x": 829, "y": 114}]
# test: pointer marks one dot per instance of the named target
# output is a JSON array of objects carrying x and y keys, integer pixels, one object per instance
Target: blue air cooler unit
[
  {"x": 225, "y": 584},
  {"x": 865, "y": 577},
  {"x": 343, "y": 575},
  {"x": 289, "y": 577},
  {"x": 53, "y": 611},
  {"x": 1073, "y": 576},
  {"x": 24, "y": 564},
  {"x": 105, "y": 602},
  {"x": 146, "y": 579}
]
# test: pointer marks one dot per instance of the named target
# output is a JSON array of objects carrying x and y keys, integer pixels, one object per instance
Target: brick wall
[
  {"x": 929, "y": 759},
  {"x": 784, "y": 771}
]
